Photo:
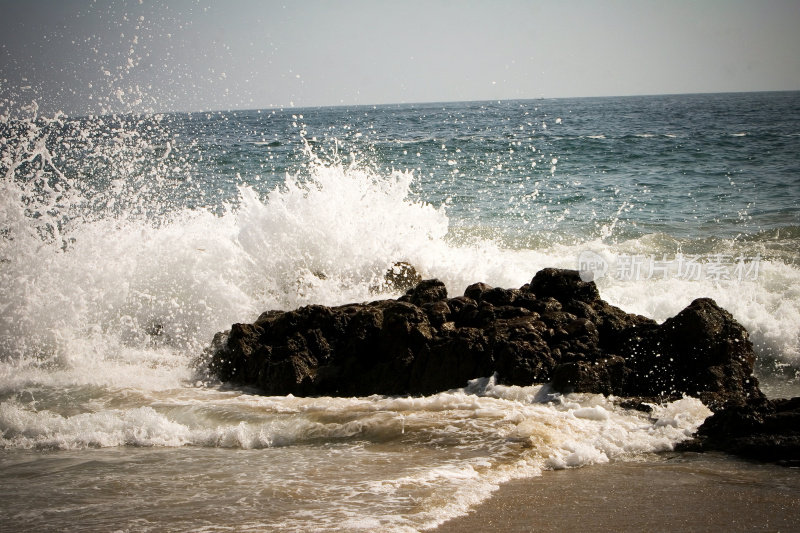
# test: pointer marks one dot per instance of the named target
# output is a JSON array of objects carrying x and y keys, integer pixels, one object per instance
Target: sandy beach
[{"x": 687, "y": 492}]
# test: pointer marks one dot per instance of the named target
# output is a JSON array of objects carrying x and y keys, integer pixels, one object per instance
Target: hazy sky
[{"x": 84, "y": 56}]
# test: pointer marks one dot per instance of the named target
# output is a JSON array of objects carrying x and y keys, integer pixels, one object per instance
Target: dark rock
[
  {"x": 460, "y": 355},
  {"x": 615, "y": 326},
  {"x": 521, "y": 354},
  {"x": 499, "y": 297},
  {"x": 702, "y": 351},
  {"x": 426, "y": 291},
  {"x": 540, "y": 305},
  {"x": 563, "y": 285},
  {"x": 458, "y": 303},
  {"x": 401, "y": 276},
  {"x": 476, "y": 290},
  {"x": 605, "y": 376},
  {"x": 556, "y": 329},
  {"x": 438, "y": 313},
  {"x": 467, "y": 314},
  {"x": 763, "y": 430}
]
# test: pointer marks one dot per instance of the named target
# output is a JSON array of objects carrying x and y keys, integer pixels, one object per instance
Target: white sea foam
[
  {"x": 466, "y": 442},
  {"x": 130, "y": 301}
]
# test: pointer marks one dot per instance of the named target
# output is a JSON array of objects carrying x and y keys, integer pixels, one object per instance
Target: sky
[{"x": 83, "y": 56}]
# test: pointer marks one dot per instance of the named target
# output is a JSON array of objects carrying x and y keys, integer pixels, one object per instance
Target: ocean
[{"x": 128, "y": 241}]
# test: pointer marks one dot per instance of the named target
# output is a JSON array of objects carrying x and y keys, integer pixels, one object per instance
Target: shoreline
[{"x": 684, "y": 492}]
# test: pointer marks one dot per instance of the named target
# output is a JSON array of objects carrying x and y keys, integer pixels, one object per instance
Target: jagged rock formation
[{"x": 554, "y": 329}]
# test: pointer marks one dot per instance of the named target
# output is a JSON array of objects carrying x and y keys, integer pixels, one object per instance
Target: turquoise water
[
  {"x": 694, "y": 166},
  {"x": 126, "y": 242}
]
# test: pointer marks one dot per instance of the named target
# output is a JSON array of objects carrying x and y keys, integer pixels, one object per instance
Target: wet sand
[{"x": 686, "y": 492}]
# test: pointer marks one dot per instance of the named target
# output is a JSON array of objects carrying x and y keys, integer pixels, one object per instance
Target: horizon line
[{"x": 290, "y": 107}]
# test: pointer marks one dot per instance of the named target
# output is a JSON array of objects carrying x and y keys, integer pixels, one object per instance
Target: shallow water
[{"x": 203, "y": 460}]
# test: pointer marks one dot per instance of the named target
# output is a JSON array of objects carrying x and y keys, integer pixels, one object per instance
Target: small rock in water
[{"x": 402, "y": 276}]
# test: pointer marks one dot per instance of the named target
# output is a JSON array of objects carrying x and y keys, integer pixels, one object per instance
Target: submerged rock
[{"x": 553, "y": 329}]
